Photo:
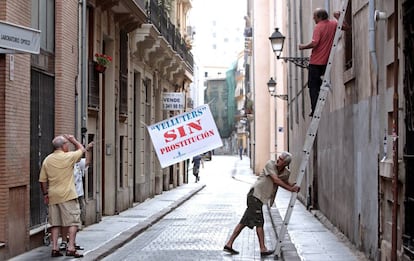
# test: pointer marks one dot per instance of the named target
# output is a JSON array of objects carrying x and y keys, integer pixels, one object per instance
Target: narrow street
[
  {"x": 199, "y": 228},
  {"x": 193, "y": 222}
]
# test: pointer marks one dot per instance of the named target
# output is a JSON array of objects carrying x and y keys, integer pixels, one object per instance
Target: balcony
[
  {"x": 158, "y": 17},
  {"x": 136, "y": 14}
]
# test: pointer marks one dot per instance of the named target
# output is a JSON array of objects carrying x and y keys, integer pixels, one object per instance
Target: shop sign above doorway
[{"x": 18, "y": 39}]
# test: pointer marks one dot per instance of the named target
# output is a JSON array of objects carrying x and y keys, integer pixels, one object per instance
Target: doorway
[{"x": 42, "y": 129}]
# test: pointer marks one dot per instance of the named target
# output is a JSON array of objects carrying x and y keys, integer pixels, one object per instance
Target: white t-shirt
[{"x": 79, "y": 173}]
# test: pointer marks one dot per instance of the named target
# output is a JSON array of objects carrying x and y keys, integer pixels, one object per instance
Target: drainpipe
[
  {"x": 395, "y": 140},
  {"x": 372, "y": 47},
  {"x": 84, "y": 71},
  {"x": 296, "y": 68},
  {"x": 308, "y": 191},
  {"x": 117, "y": 146},
  {"x": 374, "y": 68},
  {"x": 76, "y": 107}
]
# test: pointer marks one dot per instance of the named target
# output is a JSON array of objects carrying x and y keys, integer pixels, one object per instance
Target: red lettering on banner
[
  {"x": 187, "y": 142},
  {"x": 183, "y": 131},
  {"x": 170, "y": 135},
  {"x": 194, "y": 125}
]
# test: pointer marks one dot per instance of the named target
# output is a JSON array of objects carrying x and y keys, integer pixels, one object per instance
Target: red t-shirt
[{"x": 323, "y": 36}]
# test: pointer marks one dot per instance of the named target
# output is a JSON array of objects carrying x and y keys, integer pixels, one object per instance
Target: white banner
[
  {"x": 173, "y": 101},
  {"x": 19, "y": 38},
  {"x": 184, "y": 136}
]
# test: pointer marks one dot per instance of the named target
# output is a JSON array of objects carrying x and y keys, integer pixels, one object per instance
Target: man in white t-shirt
[{"x": 79, "y": 171}]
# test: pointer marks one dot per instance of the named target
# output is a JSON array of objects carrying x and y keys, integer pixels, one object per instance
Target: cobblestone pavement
[{"x": 199, "y": 228}]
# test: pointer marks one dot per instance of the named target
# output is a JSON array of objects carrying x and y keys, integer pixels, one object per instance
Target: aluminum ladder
[{"x": 312, "y": 129}]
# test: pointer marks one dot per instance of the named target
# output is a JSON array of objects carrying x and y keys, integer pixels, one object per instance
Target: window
[
  {"x": 123, "y": 74},
  {"x": 93, "y": 86},
  {"x": 121, "y": 161},
  {"x": 43, "y": 18},
  {"x": 93, "y": 75},
  {"x": 348, "y": 37}
]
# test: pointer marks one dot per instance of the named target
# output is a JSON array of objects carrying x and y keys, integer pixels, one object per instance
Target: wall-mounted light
[
  {"x": 277, "y": 40},
  {"x": 271, "y": 86}
]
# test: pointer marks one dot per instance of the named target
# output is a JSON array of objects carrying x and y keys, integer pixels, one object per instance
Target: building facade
[
  {"x": 242, "y": 139},
  {"x": 60, "y": 91},
  {"x": 360, "y": 171},
  {"x": 269, "y": 134}
]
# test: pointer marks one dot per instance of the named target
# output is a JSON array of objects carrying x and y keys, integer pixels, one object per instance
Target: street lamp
[
  {"x": 271, "y": 86},
  {"x": 277, "y": 40}
]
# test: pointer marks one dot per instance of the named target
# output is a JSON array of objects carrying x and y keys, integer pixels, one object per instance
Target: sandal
[
  {"x": 63, "y": 246},
  {"x": 73, "y": 253},
  {"x": 56, "y": 253},
  {"x": 78, "y": 247},
  {"x": 230, "y": 250},
  {"x": 267, "y": 253}
]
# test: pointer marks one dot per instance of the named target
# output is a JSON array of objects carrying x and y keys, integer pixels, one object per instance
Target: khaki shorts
[{"x": 65, "y": 214}]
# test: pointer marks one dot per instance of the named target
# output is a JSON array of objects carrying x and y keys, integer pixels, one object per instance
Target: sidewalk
[
  {"x": 113, "y": 231},
  {"x": 307, "y": 238}
]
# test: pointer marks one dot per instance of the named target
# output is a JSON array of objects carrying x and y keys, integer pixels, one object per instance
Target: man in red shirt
[{"x": 322, "y": 39}]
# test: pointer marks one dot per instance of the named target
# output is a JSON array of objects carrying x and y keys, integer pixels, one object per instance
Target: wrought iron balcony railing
[{"x": 158, "y": 17}]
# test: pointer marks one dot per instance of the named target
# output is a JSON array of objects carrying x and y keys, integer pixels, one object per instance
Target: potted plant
[{"x": 102, "y": 60}]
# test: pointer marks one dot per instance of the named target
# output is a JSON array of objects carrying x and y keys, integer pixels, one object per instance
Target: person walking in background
[
  {"x": 79, "y": 173},
  {"x": 241, "y": 152},
  {"x": 322, "y": 40},
  {"x": 263, "y": 191},
  {"x": 196, "y": 167},
  {"x": 58, "y": 187}
]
